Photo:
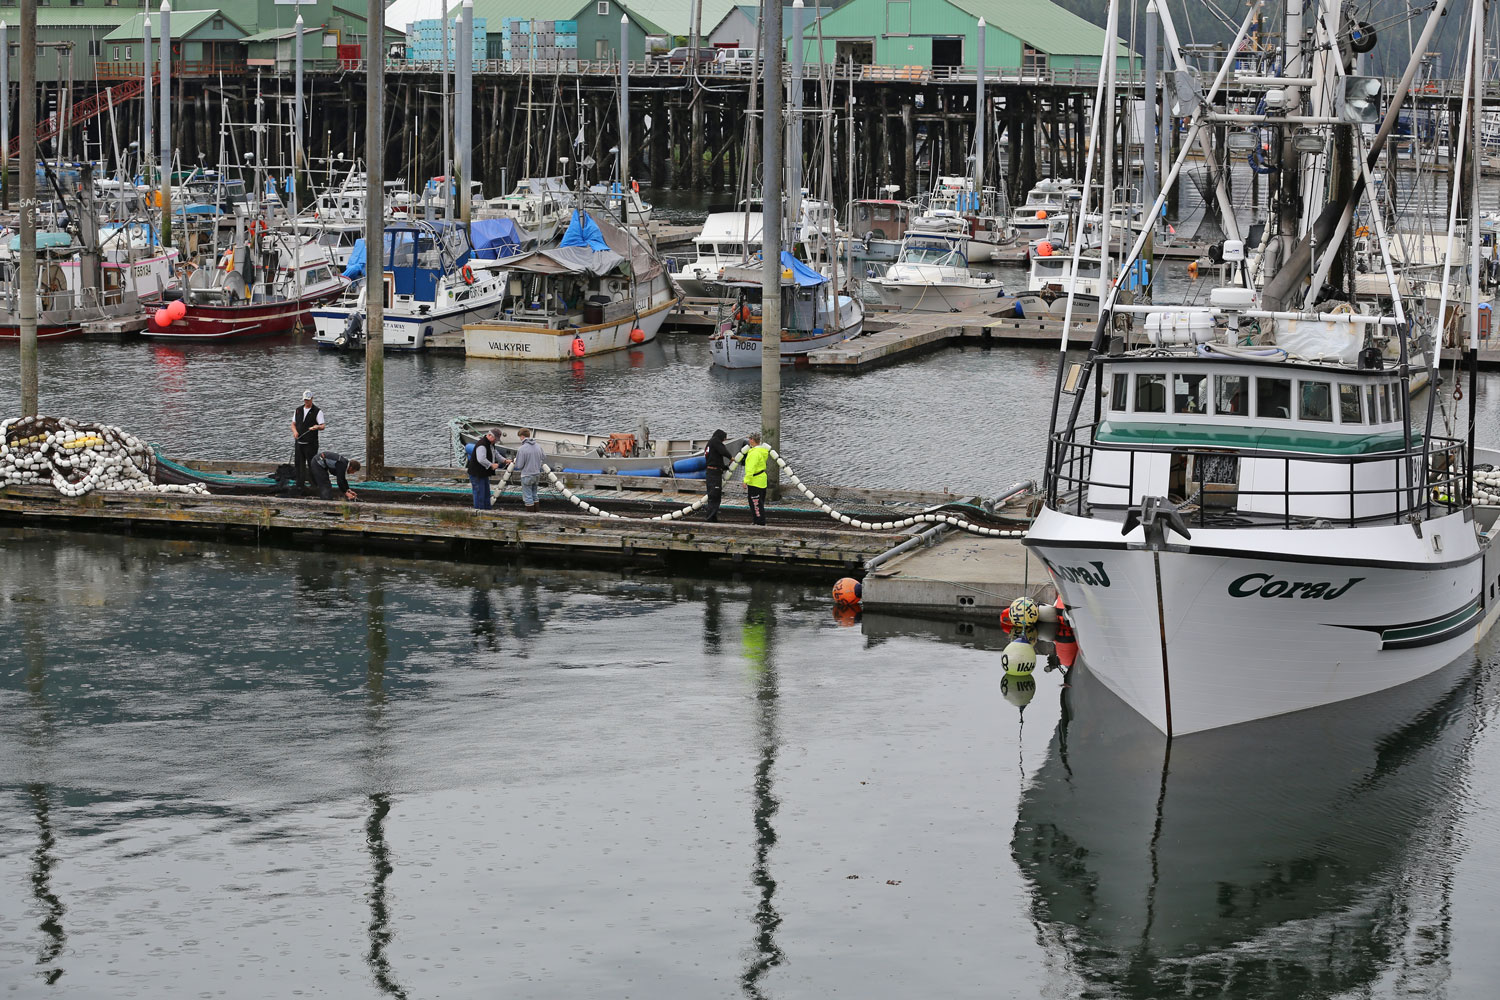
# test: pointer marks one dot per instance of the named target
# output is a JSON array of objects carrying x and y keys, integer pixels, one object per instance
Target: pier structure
[{"x": 685, "y": 124}]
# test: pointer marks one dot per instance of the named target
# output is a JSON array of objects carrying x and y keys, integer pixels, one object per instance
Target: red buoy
[
  {"x": 637, "y": 336},
  {"x": 847, "y": 592},
  {"x": 578, "y": 347}
]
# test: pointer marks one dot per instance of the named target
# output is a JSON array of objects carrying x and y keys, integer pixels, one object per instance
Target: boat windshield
[{"x": 932, "y": 253}]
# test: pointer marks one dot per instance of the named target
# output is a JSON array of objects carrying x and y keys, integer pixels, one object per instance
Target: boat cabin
[
  {"x": 1228, "y": 437},
  {"x": 942, "y": 249},
  {"x": 806, "y": 301},
  {"x": 880, "y": 219}
]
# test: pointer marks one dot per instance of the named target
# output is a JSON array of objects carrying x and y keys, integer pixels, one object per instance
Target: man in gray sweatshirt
[{"x": 528, "y": 465}]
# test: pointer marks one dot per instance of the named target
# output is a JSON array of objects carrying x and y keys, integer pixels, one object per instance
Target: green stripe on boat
[{"x": 1250, "y": 438}]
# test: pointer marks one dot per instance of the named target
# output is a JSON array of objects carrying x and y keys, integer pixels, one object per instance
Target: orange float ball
[
  {"x": 162, "y": 317},
  {"x": 1041, "y": 213},
  {"x": 1044, "y": 249},
  {"x": 637, "y": 336},
  {"x": 847, "y": 592}
]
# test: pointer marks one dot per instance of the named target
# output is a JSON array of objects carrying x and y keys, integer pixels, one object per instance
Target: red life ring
[
  {"x": 467, "y": 274},
  {"x": 635, "y": 186},
  {"x": 259, "y": 227}
]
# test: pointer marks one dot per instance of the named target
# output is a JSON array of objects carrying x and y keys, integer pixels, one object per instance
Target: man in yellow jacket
[{"x": 755, "y": 478}]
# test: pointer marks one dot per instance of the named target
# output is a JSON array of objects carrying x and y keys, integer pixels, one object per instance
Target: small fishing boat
[
  {"x": 600, "y": 290},
  {"x": 1052, "y": 274},
  {"x": 877, "y": 226},
  {"x": 539, "y": 205},
  {"x": 628, "y": 453},
  {"x": 430, "y": 283},
  {"x": 932, "y": 275},
  {"x": 264, "y": 285},
  {"x": 1029, "y": 221},
  {"x": 812, "y": 316},
  {"x": 72, "y": 288}
]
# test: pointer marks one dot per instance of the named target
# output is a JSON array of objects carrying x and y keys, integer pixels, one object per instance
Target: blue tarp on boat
[
  {"x": 583, "y": 232},
  {"x": 355, "y": 269},
  {"x": 495, "y": 238},
  {"x": 803, "y": 275}
]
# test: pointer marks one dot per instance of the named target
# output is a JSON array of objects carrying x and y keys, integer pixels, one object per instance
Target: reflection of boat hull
[
  {"x": 1358, "y": 624},
  {"x": 1285, "y": 850},
  {"x": 538, "y": 343}
]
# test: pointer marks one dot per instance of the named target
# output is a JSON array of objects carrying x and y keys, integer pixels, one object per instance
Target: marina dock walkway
[
  {"x": 959, "y": 575},
  {"x": 893, "y": 337}
]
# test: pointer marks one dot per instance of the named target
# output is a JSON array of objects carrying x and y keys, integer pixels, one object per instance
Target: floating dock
[
  {"x": 957, "y": 575},
  {"x": 426, "y": 512},
  {"x": 893, "y": 337}
]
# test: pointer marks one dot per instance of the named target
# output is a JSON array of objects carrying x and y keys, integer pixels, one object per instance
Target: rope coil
[
  {"x": 77, "y": 458},
  {"x": 824, "y": 506}
]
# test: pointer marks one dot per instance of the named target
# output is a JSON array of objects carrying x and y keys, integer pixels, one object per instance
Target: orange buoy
[
  {"x": 177, "y": 309},
  {"x": 163, "y": 318},
  {"x": 1044, "y": 249},
  {"x": 1041, "y": 213},
  {"x": 637, "y": 336},
  {"x": 1065, "y": 645},
  {"x": 847, "y": 592},
  {"x": 1193, "y": 269},
  {"x": 578, "y": 347}
]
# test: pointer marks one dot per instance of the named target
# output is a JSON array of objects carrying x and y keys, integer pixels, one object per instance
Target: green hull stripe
[
  {"x": 1250, "y": 438},
  {"x": 1431, "y": 628}
]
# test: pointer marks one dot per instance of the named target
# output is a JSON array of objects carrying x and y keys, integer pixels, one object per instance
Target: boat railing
[{"x": 1072, "y": 481}]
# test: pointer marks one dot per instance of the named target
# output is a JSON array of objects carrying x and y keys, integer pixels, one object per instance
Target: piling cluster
[{"x": 76, "y": 458}]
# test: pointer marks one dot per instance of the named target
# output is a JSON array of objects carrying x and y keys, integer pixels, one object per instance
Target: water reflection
[
  {"x": 757, "y": 642},
  {"x": 380, "y": 914},
  {"x": 1304, "y": 856},
  {"x": 43, "y": 860}
]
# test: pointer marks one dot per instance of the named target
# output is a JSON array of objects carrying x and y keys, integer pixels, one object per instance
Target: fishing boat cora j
[
  {"x": 599, "y": 290},
  {"x": 1243, "y": 515}
]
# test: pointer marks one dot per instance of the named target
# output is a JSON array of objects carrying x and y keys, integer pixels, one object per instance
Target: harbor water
[{"x": 247, "y": 772}]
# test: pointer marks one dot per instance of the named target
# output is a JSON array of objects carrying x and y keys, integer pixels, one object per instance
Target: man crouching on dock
[{"x": 326, "y": 462}]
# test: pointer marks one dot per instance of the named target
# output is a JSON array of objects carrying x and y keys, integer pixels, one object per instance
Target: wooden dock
[
  {"x": 958, "y": 576},
  {"x": 898, "y": 337},
  {"x": 425, "y": 512}
]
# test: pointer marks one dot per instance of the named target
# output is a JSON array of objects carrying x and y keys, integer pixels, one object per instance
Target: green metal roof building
[
  {"x": 599, "y": 24},
  {"x": 1021, "y": 36}
]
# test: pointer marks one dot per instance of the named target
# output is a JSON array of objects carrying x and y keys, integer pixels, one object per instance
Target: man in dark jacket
[
  {"x": 716, "y": 453},
  {"x": 326, "y": 463},
  {"x": 483, "y": 461},
  {"x": 307, "y": 420}
]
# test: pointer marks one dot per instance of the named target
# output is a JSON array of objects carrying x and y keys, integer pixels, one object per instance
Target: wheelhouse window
[
  {"x": 1317, "y": 401},
  {"x": 1273, "y": 398},
  {"x": 1189, "y": 393},
  {"x": 1372, "y": 401},
  {"x": 1231, "y": 395},
  {"x": 1386, "y": 403},
  {"x": 1119, "y": 393},
  {"x": 1151, "y": 393},
  {"x": 1349, "y": 412}
]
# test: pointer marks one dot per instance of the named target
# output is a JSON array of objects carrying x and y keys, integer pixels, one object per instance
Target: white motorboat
[
  {"x": 600, "y": 290},
  {"x": 1255, "y": 470},
  {"x": 727, "y": 238},
  {"x": 1051, "y": 277},
  {"x": 932, "y": 275},
  {"x": 812, "y": 315},
  {"x": 1048, "y": 197},
  {"x": 431, "y": 287}
]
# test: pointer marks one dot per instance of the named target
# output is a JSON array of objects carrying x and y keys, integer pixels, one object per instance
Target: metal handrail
[{"x": 1072, "y": 476}]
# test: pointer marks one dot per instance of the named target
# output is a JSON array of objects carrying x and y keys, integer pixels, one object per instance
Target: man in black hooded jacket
[{"x": 717, "y": 455}]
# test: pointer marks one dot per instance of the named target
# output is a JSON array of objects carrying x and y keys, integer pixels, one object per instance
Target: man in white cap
[{"x": 307, "y": 420}]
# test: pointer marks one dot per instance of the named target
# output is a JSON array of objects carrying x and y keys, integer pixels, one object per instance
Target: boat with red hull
[{"x": 266, "y": 287}]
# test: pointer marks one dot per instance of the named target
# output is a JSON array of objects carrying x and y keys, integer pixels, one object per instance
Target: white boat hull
[
  {"x": 935, "y": 297},
  {"x": 435, "y": 331},
  {"x": 1247, "y": 623},
  {"x": 732, "y": 351},
  {"x": 519, "y": 342}
]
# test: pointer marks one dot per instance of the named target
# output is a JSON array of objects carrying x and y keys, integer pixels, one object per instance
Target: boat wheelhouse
[
  {"x": 876, "y": 228},
  {"x": 726, "y": 239}
]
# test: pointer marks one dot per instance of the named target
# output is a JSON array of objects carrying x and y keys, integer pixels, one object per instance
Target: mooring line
[{"x": 820, "y": 503}]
